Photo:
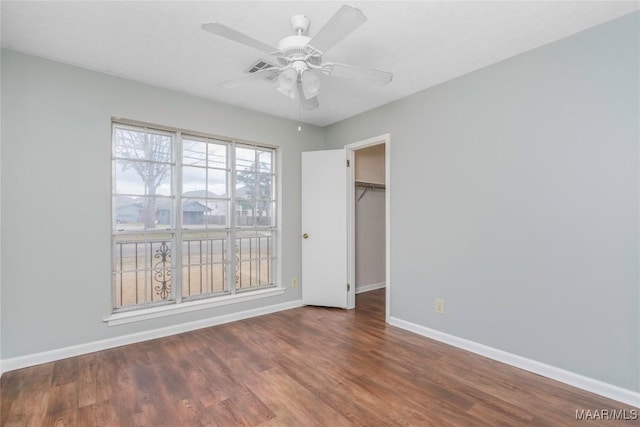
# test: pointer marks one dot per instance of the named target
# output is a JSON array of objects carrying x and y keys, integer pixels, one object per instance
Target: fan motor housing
[
  {"x": 295, "y": 47},
  {"x": 293, "y": 44}
]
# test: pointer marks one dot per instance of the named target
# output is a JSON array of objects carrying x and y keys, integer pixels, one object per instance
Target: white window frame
[{"x": 177, "y": 304}]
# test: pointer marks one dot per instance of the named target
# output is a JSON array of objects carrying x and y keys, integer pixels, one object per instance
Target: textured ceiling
[{"x": 423, "y": 43}]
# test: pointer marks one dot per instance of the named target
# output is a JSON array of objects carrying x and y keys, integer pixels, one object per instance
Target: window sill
[{"x": 187, "y": 307}]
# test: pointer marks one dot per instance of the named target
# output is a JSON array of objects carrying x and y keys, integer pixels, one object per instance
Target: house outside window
[{"x": 193, "y": 217}]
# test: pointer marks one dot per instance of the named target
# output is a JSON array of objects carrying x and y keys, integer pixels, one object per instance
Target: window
[{"x": 193, "y": 217}]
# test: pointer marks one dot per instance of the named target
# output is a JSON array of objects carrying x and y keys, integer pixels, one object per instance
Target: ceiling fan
[{"x": 300, "y": 57}]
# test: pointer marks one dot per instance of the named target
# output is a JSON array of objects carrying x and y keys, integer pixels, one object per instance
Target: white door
[{"x": 324, "y": 228}]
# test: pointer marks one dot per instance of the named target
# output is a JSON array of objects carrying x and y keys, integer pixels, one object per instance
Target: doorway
[{"x": 369, "y": 229}]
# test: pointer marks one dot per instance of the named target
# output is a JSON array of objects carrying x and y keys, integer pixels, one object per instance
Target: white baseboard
[
  {"x": 576, "y": 380},
  {"x": 80, "y": 349},
  {"x": 372, "y": 287}
]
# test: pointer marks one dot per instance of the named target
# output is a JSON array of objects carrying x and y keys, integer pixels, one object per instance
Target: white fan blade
[
  {"x": 370, "y": 75},
  {"x": 236, "y": 36},
  {"x": 261, "y": 74},
  {"x": 340, "y": 25},
  {"x": 307, "y": 104}
]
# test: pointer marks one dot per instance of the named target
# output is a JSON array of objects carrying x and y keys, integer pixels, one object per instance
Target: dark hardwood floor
[{"x": 303, "y": 367}]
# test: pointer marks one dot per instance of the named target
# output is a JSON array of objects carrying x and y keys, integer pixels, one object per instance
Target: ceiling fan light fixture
[
  {"x": 287, "y": 79},
  {"x": 291, "y": 93},
  {"x": 310, "y": 84}
]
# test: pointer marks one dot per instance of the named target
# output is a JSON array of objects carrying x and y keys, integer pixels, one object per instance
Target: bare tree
[
  {"x": 257, "y": 185},
  {"x": 149, "y": 155},
  {"x": 257, "y": 188}
]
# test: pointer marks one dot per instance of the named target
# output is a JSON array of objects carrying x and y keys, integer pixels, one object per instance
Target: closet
[{"x": 369, "y": 218}]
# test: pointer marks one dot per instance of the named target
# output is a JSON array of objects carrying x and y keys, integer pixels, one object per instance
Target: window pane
[
  {"x": 245, "y": 213},
  {"x": 264, "y": 214},
  {"x": 200, "y": 182},
  {"x": 194, "y": 153},
  {"x": 204, "y": 269},
  {"x": 245, "y": 159},
  {"x": 245, "y": 185},
  {"x": 159, "y": 211},
  {"x": 140, "y": 213},
  {"x": 159, "y": 147},
  {"x": 254, "y": 252},
  {"x": 219, "y": 211},
  {"x": 129, "y": 144},
  {"x": 134, "y": 177},
  {"x": 198, "y": 213},
  {"x": 194, "y": 213},
  {"x": 141, "y": 145},
  {"x": 265, "y": 187},
  {"x": 217, "y": 156},
  {"x": 204, "y": 153},
  {"x": 159, "y": 179},
  {"x": 217, "y": 183},
  {"x": 128, "y": 177},
  {"x": 128, "y": 212},
  {"x": 265, "y": 161},
  {"x": 194, "y": 182}
]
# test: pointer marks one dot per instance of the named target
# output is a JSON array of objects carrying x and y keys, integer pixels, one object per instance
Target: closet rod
[{"x": 368, "y": 186}]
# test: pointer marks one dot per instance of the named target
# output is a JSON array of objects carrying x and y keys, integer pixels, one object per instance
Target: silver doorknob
[{"x": 305, "y": 235}]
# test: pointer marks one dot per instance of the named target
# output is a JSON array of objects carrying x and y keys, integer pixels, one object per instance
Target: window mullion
[
  {"x": 256, "y": 187},
  {"x": 231, "y": 250},
  {"x": 177, "y": 220}
]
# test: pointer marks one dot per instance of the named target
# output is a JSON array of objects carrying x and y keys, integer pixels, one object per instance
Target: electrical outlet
[
  {"x": 439, "y": 306},
  {"x": 294, "y": 282}
]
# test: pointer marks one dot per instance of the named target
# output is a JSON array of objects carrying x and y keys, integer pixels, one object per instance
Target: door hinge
[
  {"x": 348, "y": 287},
  {"x": 348, "y": 163}
]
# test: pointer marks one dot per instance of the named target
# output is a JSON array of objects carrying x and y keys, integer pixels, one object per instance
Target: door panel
[{"x": 324, "y": 223}]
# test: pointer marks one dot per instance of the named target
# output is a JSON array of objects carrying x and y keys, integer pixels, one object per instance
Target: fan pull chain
[{"x": 299, "y": 124}]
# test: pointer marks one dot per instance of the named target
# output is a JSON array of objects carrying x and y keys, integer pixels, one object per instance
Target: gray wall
[
  {"x": 370, "y": 239},
  {"x": 56, "y": 148},
  {"x": 515, "y": 199},
  {"x": 370, "y": 218}
]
